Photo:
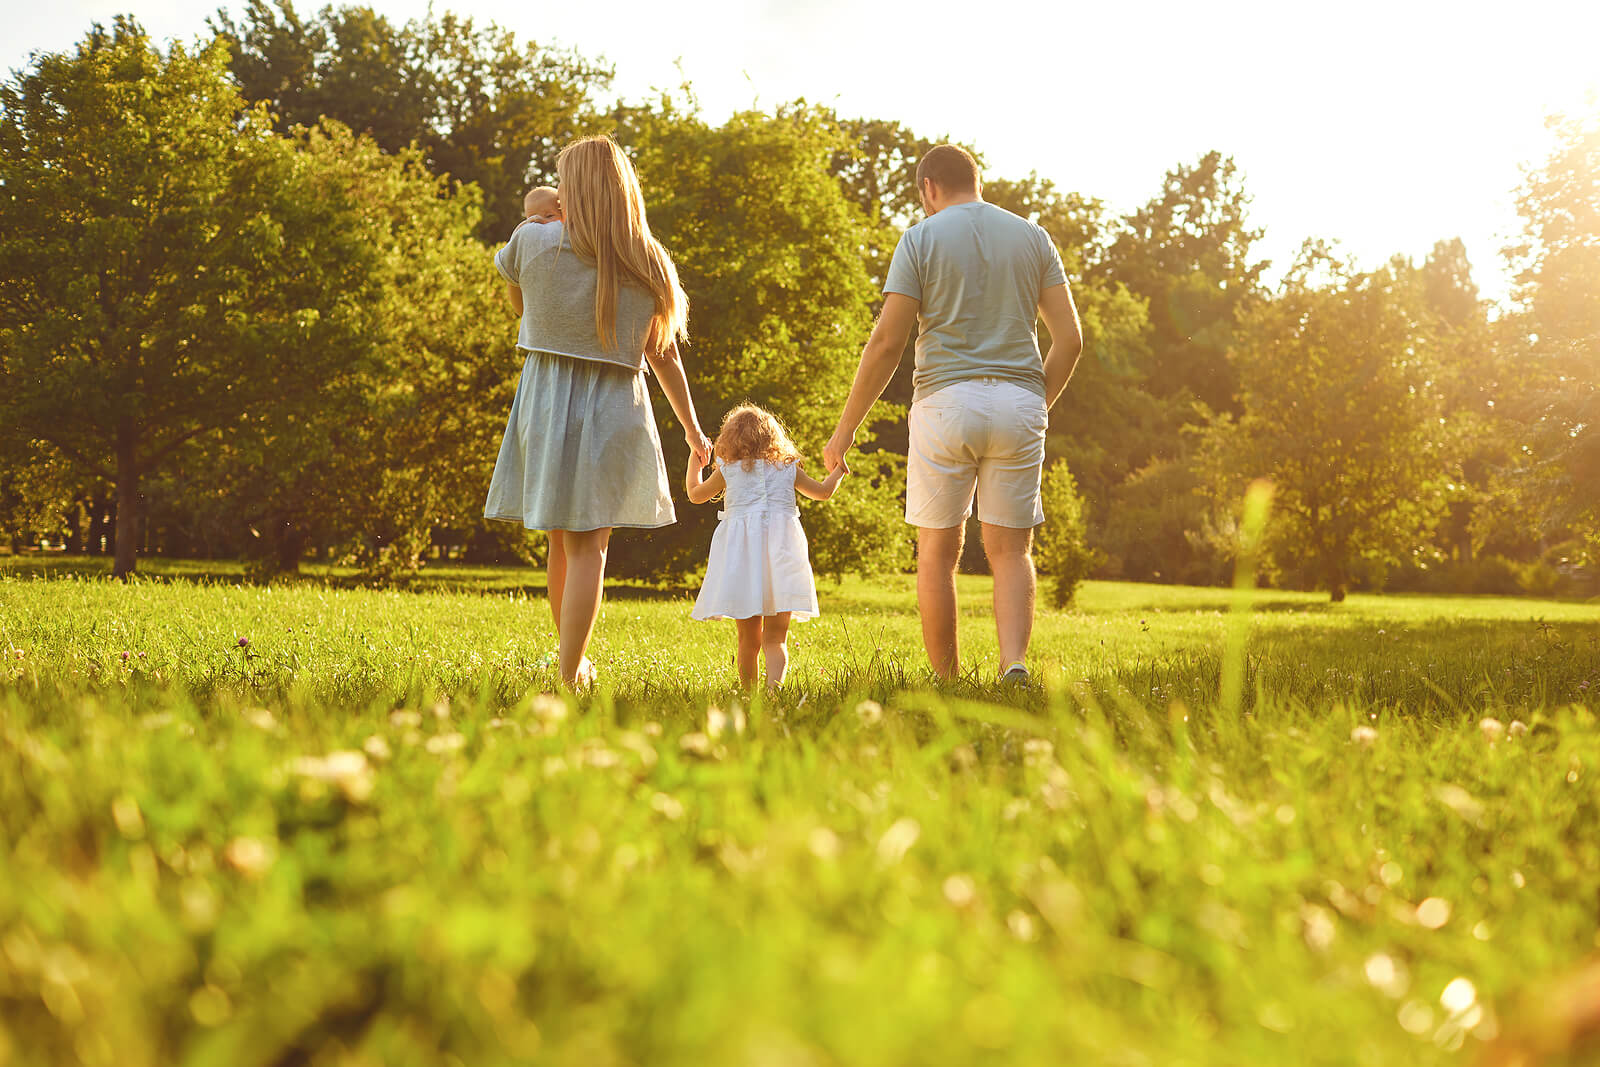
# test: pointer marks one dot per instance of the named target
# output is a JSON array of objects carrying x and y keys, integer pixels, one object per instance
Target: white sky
[{"x": 1382, "y": 124}]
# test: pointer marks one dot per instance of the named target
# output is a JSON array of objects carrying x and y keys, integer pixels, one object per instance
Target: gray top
[
  {"x": 558, "y": 299},
  {"x": 978, "y": 271}
]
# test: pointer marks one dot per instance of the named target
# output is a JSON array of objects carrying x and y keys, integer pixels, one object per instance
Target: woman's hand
[
  {"x": 699, "y": 445},
  {"x": 833, "y": 453}
]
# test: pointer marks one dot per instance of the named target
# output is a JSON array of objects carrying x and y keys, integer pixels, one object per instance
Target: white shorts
[{"x": 985, "y": 434}]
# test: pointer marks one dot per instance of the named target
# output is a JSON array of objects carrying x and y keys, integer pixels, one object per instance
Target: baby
[{"x": 541, "y": 205}]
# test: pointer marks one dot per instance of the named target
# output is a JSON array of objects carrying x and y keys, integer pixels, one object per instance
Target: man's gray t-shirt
[{"x": 978, "y": 271}]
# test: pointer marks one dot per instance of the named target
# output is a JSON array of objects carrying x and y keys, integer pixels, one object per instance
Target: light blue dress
[{"x": 580, "y": 450}]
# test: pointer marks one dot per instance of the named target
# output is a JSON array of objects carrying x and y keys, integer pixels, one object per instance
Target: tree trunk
[
  {"x": 127, "y": 505},
  {"x": 290, "y": 547}
]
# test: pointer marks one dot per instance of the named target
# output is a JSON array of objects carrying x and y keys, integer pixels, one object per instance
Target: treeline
[{"x": 246, "y": 308}]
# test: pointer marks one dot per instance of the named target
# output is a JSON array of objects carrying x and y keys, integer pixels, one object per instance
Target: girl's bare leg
[
  {"x": 775, "y": 646},
  {"x": 557, "y": 576},
  {"x": 749, "y": 649},
  {"x": 585, "y": 553}
]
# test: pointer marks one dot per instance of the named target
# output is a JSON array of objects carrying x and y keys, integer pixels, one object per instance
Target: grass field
[{"x": 364, "y": 837}]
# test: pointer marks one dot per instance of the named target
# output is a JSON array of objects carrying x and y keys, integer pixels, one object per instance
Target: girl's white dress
[{"x": 759, "y": 563}]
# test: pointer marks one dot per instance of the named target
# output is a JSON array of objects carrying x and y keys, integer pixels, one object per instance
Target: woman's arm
[
  {"x": 701, "y": 491},
  {"x": 675, "y": 384},
  {"x": 809, "y": 486},
  {"x": 514, "y": 297}
]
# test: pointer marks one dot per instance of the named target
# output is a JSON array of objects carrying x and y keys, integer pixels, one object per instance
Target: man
[{"x": 974, "y": 279}]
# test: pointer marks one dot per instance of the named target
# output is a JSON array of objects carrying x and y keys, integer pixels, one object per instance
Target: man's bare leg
[
  {"x": 1010, "y": 553},
  {"x": 938, "y": 551}
]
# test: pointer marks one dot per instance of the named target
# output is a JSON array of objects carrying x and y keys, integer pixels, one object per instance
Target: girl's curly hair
[{"x": 750, "y": 433}]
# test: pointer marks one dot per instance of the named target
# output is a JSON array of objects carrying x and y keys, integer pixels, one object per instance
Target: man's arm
[
  {"x": 1066, "y": 340},
  {"x": 879, "y": 359}
]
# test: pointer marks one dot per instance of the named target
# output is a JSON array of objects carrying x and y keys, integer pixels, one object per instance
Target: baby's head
[
  {"x": 750, "y": 433},
  {"x": 542, "y": 204}
]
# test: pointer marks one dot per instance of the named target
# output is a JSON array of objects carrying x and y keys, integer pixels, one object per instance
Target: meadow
[{"x": 317, "y": 824}]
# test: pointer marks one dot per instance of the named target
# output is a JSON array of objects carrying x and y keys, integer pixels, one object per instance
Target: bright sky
[{"x": 1382, "y": 124}]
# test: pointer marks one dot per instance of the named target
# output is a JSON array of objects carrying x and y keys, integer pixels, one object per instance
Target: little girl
[{"x": 759, "y": 573}]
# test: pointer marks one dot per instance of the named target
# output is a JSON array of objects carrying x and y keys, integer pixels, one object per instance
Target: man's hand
[{"x": 1060, "y": 316}]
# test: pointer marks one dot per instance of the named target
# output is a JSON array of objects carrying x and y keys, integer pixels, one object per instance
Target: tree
[
  {"x": 483, "y": 108},
  {"x": 1337, "y": 410},
  {"x": 1063, "y": 552},
  {"x": 1188, "y": 252},
  {"x": 1555, "y": 334},
  {"x": 169, "y": 268},
  {"x": 402, "y": 435}
]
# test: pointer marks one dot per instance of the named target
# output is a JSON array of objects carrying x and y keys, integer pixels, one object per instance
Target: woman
[{"x": 599, "y": 299}]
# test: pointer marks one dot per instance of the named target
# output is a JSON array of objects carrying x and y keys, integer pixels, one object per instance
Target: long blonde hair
[
  {"x": 750, "y": 433},
  {"x": 605, "y": 221}
]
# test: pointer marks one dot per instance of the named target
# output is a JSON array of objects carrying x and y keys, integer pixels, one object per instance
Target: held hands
[
  {"x": 699, "y": 446},
  {"x": 833, "y": 452}
]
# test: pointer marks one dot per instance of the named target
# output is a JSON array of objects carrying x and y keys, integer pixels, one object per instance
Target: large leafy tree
[
  {"x": 404, "y": 429},
  {"x": 1555, "y": 336},
  {"x": 1339, "y": 411},
  {"x": 169, "y": 267},
  {"x": 481, "y": 106}
]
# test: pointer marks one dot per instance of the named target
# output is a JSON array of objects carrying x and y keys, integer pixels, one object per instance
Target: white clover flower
[
  {"x": 898, "y": 839},
  {"x": 347, "y": 770}
]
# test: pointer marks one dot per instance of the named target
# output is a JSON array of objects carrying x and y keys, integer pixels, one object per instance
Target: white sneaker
[{"x": 1015, "y": 674}]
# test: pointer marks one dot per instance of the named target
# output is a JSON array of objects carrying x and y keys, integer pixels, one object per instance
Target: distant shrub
[
  {"x": 862, "y": 530},
  {"x": 1539, "y": 578},
  {"x": 1063, "y": 553}
]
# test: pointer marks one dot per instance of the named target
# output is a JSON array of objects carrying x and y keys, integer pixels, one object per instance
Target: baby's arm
[
  {"x": 809, "y": 486},
  {"x": 701, "y": 491}
]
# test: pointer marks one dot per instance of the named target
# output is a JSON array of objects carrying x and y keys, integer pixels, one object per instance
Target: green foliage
[
  {"x": 1062, "y": 552},
  {"x": 482, "y": 108},
  {"x": 1555, "y": 339},
  {"x": 861, "y": 530},
  {"x": 170, "y": 266},
  {"x": 1189, "y": 253},
  {"x": 1338, "y": 412},
  {"x": 242, "y": 328},
  {"x": 494, "y": 876}
]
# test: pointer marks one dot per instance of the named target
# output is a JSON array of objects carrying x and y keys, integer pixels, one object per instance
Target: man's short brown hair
[{"x": 950, "y": 167}]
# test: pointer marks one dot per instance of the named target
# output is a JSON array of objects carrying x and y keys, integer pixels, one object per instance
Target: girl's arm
[
  {"x": 701, "y": 491},
  {"x": 809, "y": 486},
  {"x": 514, "y": 297},
  {"x": 675, "y": 384}
]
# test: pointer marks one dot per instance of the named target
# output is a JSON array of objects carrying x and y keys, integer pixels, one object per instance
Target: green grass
[{"x": 1115, "y": 869}]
